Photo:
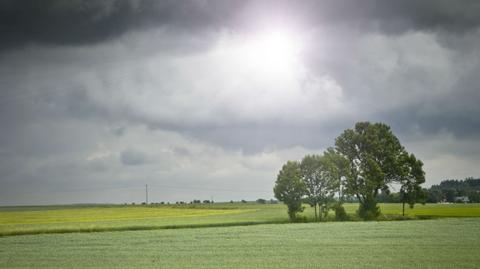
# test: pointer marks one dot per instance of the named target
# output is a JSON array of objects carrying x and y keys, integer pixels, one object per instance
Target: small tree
[
  {"x": 289, "y": 188},
  {"x": 411, "y": 179},
  {"x": 321, "y": 179},
  {"x": 340, "y": 166},
  {"x": 261, "y": 201}
]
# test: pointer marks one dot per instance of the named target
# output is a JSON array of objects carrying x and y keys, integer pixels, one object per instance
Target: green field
[
  {"x": 440, "y": 243},
  {"x": 61, "y": 219}
]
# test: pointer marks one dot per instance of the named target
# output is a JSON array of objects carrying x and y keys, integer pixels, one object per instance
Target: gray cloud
[
  {"x": 100, "y": 98},
  {"x": 133, "y": 157},
  {"x": 86, "y": 22}
]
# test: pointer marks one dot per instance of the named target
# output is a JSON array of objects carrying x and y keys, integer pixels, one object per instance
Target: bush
[
  {"x": 340, "y": 213},
  {"x": 369, "y": 210},
  {"x": 299, "y": 219},
  {"x": 261, "y": 201}
]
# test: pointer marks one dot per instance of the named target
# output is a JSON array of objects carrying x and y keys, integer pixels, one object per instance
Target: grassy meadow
[
  {"x": 126, "y": 236},
  {"x": 90, "y": 218},
  {"x": 439, "y": 243}
]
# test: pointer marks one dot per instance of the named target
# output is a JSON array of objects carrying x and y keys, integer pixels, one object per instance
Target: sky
[{"x": 207, "y": 99}]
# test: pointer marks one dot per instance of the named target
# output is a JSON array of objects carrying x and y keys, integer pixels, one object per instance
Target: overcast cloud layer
[{"x": 98, "y": 99}]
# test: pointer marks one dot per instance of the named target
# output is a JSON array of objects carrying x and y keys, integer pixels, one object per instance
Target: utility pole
[{"x": 146, "y": 194}]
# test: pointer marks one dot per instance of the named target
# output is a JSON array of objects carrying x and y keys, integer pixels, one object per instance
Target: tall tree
[
  {"x": 321, "y": 179},
  {"x": 374, "y": 157},
  {"x": 290, "y": 188},
  {"x": 410, "y": 180},
  {"x": 341, "y": 166}
]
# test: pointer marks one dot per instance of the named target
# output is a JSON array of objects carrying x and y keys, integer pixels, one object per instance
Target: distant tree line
[
  {"x": 450, "y": 190},
  {"x": 364, "y": 163}
]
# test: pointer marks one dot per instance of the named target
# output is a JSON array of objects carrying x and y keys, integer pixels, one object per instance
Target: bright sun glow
[{"x": 270, "y": 52}]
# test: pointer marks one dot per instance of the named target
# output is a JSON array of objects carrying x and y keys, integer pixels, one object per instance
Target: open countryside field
[
  {"x": 74, "y": 218},
  {"x": 439, "y": 243}
]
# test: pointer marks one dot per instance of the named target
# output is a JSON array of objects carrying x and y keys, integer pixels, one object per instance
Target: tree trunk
[
  {"x": 315, "y": 212},
  {"x": 403, "y": 208},
  {"x": 320, "y": 209}
]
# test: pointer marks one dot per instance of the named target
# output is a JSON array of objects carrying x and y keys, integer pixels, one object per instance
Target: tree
[
  {"x": 289, "y": 188},
  {"x": 321, "y": 180},
  {"x": 411, "y": 179},
  {"x": 261, "y": 201},
  {"x": 340, "y": 165},
  {"x": 374, "y": 157}
]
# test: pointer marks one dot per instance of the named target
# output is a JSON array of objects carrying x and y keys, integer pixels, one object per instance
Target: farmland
[
  {"x": 439, "y": 243},
  {"x": 74, "y": 218}
]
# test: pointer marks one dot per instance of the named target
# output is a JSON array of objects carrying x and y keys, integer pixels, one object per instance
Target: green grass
[
  {"x": 440, "y": 243},
  {"x": 97, "y": 218}
]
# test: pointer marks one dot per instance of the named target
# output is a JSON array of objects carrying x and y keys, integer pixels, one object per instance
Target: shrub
[
  {"x": 369, "y": 210},
  {"x": 340, "y": 213},
  {"x": 261, "y": 201}
]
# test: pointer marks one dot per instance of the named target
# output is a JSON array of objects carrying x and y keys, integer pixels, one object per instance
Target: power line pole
[{"x": 146, "y": 194}]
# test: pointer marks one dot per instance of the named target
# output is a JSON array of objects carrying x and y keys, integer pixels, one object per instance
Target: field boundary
[{"x": 137, "y": 228}]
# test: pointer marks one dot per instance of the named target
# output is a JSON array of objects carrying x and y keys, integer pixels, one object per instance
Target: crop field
[
  {"x": 61, "y": 219},
  {"x": 439, "y": 243}
]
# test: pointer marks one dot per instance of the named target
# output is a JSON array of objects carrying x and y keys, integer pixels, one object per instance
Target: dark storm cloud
[
  {"x": 457, "y": 116},
  {"x": 102, "y": 92},
  {"x": 399, "y": 16},
  {"x": 86, "y": 22}
]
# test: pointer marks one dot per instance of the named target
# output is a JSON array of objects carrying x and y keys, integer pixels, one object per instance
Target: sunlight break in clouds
[{"x": 100, "y": 98}]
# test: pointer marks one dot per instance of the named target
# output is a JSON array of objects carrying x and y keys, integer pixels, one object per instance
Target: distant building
[{"x": 461, "y": 199}]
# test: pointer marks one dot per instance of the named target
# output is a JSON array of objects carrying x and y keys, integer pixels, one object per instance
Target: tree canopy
[
  {"x": 290, "y": 188},
  {"x": 322, "y": 180},
  {"x": 376, "y": 159},
  {"x": 366, "y": 161}
]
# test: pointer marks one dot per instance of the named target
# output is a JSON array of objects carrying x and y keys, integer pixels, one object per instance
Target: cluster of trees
[
  {"x": 195, "y": 201},
  {"x": 263, "y": 201},
  {"x": 449, "y": 190},
  {"x": 364, "y": 163}
]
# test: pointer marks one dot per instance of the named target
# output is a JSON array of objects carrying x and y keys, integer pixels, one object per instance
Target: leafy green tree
[
  {"x": 411, "y": 179},
  {"x": 374, "y": 157},
  {"x": 340, "y": 164},
  {"x": 290, "y": 188},
  {"x": 321, "y": 179}
]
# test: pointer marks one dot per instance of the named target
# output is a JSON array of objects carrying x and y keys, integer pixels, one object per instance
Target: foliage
[
  {"x": 410, "y": 179},
  {"x": 447, "y": 190},
  {"x": 321, "y": 178},
  {"x": 341, "y": 165},
  {"x": 261, "y": 201},
  {"x": 289, "y": 188},
  {"x": 376, "y": 159},
  {"x": 340, "y": 213}
]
